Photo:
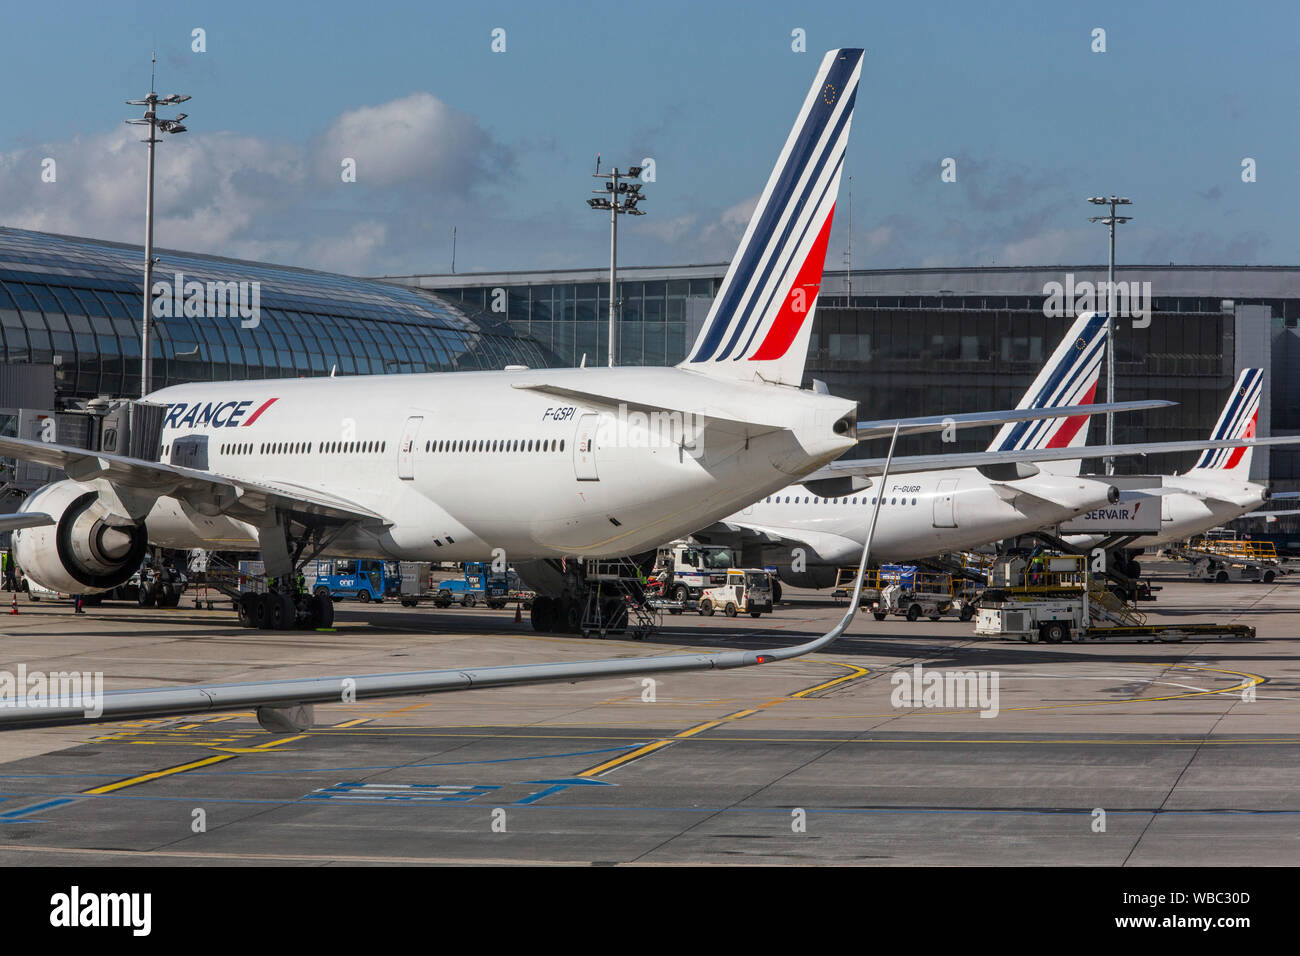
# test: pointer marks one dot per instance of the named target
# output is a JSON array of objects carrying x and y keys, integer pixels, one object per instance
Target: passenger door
[
  {"x": 945, "y": 515},
  {"x": 584, "y": 448},
  {"x": 406, "y": 451}
]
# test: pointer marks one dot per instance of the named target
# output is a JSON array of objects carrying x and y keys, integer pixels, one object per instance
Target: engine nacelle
[{"x": 89, "y": 548}]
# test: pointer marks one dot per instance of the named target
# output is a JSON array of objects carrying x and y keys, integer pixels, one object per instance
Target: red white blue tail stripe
[
  {"x": 1068, "y": 378},
  {"x": 762, "y": 316},
  {"x": 1239, "y": 419}
]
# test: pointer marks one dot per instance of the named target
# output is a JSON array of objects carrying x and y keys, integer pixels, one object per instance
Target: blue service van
[{"x": 365, "y": 580}]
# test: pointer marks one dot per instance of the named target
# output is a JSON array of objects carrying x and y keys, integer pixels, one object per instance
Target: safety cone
[
  {"x": 519, "y": 613},
  {"x": 13, "y": 608}
]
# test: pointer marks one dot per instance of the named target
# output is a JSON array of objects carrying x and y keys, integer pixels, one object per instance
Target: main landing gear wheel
[
  {"x": 542, "y": 615},
  {"x": 320, "y": 610},
  {"x": 263, "y": 610},
  {"x": 246, "y": 609},
  {"x": 282, "y": 612},
  {"x": 146, "y": 596}
]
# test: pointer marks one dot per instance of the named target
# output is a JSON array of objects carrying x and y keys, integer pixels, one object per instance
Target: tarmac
[{"x": 1090, "y": 754}]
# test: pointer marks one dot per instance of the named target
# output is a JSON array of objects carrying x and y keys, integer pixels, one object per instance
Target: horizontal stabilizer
[{"x": 883, "y": 428}]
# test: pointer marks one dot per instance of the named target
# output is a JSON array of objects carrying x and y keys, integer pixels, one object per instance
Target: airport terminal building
[{"x": 900, "y": 342}]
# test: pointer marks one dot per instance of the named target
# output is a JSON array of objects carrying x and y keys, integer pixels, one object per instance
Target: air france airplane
[
  {"x": 966, "y": 507},
  {"x": 1218, "y": 488},
  {"x": 538, "y": 465},
  {"x": 938, "y": 511}
]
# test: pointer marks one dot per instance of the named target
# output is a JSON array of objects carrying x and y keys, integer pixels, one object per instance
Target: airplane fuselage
[
  {"x": 922, "y": 514},
  {"x": 459, "y": 464}
]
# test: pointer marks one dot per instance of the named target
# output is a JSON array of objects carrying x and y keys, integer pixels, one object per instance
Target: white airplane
[
  {"x": 933, "y": 512},
  {"x": 544, "y": 465},
  {"x": 1216, "y": 490},
  {"x": 959, "y": 508}
]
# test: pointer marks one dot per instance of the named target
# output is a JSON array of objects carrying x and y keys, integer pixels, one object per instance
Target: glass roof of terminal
[{"x": 37, "y": 256}]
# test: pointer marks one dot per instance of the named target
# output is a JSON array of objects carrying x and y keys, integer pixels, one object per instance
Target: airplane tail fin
[
  {"x": 761, "y": 319},
  {"x": 1069, "y": 377},
  {"x": 1239, "y": 419}
]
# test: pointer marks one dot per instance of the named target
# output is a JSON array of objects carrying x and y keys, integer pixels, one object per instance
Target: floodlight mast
[
  {"x": 1112, "y": 220},
  {"x": 156, "y": 125},
  {"x": 622, "y": 200}
]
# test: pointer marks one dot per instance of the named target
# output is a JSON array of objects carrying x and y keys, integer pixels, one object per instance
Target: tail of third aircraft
[
  {"x": 761, "y": 319},
  {"x": 1239, "y": 419},
  {"x": 1068, "y": 378}
]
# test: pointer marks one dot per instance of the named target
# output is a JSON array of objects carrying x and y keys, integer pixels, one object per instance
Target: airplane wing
[
  {"x": 1272, "y": 515},
  {"x": 937, "y": 423},
  {"x": 26, "y": 520},
  {"x": 207, "y": 492},
  {"x": 868, "y": 467}
]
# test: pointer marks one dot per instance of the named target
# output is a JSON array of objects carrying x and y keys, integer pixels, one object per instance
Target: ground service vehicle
[
  {"x": 365, "y": 580},
  {"x": 747, "y": 590},
  {"x": 692, "y": 568},
  {"x": 1057, "y": 601},
  {"x": 477, "y": 584},
  {"x": 907, "y": 591}
]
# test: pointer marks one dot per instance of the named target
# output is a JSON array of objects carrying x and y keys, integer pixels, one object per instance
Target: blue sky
[{"x": 446, "y": 132}]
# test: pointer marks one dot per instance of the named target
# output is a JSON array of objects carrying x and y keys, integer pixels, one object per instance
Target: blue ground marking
[
  {"x": 557, "y": 786},
  {"x": 16, "y": 816}
]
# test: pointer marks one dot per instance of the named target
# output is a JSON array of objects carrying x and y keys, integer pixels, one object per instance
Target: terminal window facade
[{"x": 76, "y": 303}]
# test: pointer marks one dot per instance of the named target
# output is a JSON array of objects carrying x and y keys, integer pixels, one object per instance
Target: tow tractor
[
  {"x": 1056, "y": 600},
  {"x": 747, "y": 590},
  {"x": 907, "y": 591}
]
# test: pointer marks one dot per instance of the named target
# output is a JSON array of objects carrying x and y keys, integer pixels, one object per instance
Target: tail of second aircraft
[
  {"x": 1239, "y": 419},
  {"x": 761, "y": 319},
  {"x": 1068, "y": 378}
]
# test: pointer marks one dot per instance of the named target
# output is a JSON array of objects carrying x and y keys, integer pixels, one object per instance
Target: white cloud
[{"x": 417, "y": 139}]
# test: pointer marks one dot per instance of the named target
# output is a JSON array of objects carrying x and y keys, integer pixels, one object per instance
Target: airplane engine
[
  {"x": 88, "y": 549},
  {"x": 817, "y": 576}
]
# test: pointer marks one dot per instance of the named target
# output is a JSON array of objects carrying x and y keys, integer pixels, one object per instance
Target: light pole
[
  {"x": 620, "y": 198},
  {"x": 1111, "y": 221},
  {"x": 156, "y": 126}
]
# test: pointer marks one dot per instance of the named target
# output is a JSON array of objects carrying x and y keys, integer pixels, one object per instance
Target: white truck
[{"x": 690, "y": 569}]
